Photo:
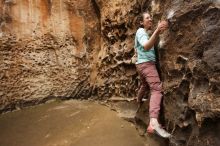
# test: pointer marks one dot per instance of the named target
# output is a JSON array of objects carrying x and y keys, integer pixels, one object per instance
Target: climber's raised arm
[{"x": 153, "y": 39}]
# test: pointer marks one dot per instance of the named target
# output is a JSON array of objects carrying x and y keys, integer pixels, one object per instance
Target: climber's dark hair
[
  {"x": 140, "y": 18},
  {"x": 143, "y": 15}
]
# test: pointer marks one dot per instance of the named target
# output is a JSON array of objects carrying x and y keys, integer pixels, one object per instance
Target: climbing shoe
[{"x": 156, "y": 128}]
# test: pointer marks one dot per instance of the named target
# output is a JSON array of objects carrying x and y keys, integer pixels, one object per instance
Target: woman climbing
[{"x": 145, "y": 64}]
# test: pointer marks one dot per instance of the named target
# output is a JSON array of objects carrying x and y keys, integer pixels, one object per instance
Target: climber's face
[{"x": 147, "y": 21}]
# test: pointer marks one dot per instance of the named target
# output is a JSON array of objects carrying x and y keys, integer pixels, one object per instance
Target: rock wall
[
  {"x": 46, "y": 50},
  {"x": 115, "y": 71},
  {"x": 82, "y": 49},
  {"x": 191, "y": 74}
]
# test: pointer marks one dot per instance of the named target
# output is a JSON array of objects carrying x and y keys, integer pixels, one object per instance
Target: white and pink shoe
[{"x": 155, "y": 127}]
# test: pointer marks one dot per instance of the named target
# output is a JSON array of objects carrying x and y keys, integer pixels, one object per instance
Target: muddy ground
[{"x": 69, "y": 123}]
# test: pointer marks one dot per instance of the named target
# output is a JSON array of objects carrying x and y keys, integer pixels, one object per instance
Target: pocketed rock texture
[
  {"x": 115, "y": 70},
  {"x": 83, "y": 49},
  {"x": 46, "y": 50}
]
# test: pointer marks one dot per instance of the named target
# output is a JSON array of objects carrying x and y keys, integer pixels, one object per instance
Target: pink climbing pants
[{"x": 149, "y": 77}]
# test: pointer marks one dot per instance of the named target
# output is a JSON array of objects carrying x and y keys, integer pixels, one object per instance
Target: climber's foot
[{"x": 155, "y": 127}]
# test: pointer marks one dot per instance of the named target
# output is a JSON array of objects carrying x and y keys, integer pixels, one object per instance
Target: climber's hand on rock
[{"x": 162, "y": 25}]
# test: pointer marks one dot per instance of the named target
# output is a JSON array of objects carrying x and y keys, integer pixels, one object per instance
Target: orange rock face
[{"x": 46, "y": 50}]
